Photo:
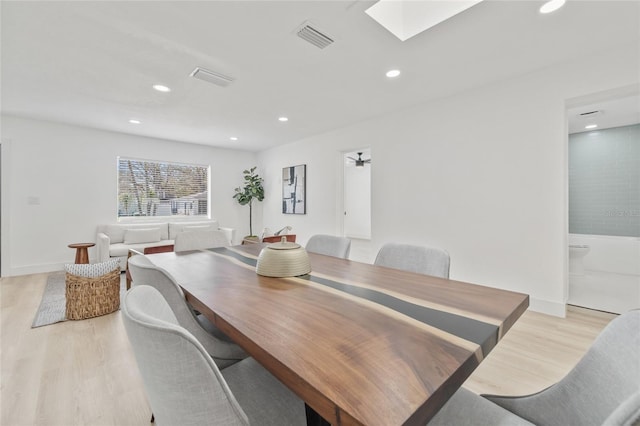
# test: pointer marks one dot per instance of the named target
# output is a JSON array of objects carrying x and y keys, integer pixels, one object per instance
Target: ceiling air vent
[
  {"x": 211, "y": 77},
  {"x": 589, "y": 114},
  {"x": 314, "y": 36}
]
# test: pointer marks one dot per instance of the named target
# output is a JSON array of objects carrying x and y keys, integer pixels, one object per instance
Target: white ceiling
[
  {"x": 621, "y": 111},
  {"x": 93, "y": 63}
]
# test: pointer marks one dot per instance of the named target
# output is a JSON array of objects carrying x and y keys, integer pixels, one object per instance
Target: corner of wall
[
  {"x": 5, "y": 228},
  {"x": 548, "y": 307}
]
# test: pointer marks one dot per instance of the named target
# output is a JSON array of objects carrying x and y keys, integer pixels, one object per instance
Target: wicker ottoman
[{"x": 89, "y": 297}]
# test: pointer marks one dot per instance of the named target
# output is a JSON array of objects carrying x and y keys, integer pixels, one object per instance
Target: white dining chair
[
  {"x": 422, "y": 260},
  {"x": 217, "y": 344},
  {"x": 602, "y": 389},
  {"x": 185, "y": 386},
  {"x": 199, "y": 240},
  {"x": 329, "y": 245}
]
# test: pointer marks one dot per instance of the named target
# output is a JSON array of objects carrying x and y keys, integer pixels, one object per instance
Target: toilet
[{"x": 576, "y": 256}]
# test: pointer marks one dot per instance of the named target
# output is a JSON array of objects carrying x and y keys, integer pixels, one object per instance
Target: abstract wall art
[{"x": 294, "y": 190}]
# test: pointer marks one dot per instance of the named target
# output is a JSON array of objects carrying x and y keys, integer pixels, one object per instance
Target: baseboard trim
[
  {"x": 36, "y": 269},
  {"x": 548, "y": 307}
]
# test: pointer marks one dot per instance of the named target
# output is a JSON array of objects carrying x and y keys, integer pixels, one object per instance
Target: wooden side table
[
  {"x": 277, "y": 238},
  {"x": 147, "y": 250},
  {"x": 82, "y": 254}
]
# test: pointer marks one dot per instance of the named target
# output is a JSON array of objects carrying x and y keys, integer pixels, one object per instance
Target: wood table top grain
[{"x": 360, "y": 344}]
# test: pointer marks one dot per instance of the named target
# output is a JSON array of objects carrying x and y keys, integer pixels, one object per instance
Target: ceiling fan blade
[{"x": 351, "y": 158}]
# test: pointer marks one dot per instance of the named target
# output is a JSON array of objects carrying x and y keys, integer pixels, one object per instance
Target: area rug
[{"x": 52, "y": 307}]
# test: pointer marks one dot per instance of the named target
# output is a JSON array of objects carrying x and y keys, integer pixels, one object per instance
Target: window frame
[{"x": 153, "y": 218}]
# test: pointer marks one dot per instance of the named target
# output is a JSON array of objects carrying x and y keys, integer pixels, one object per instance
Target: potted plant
[{"x": 251, "y": 190}]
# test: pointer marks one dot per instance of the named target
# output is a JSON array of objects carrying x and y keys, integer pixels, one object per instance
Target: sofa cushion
[
  {"x": 177, "y": 227},
  {"x": 116, "y": 231},
  {"x": 144, "y": 235},
  {"x": 198, "y": 228}
]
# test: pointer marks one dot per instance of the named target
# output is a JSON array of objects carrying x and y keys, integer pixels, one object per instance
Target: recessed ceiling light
[
  {"x": 134, "y": 121},
  {"x": 393, "y": 73},
  {"x": 161, "y": 88},
  {"x": 591, "y": 126},
  {"x": 551, "y": 6},
  {"x": 233, "y": 138},
  {"x": 283, "y": 119}
]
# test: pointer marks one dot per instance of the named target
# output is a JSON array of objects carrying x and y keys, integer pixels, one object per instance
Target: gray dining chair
[
  {"x": 218, "y": 345},
  {"x": 329, "y": 245},
  {"x": 602, "y": 389},
  {"x": 183, "y": 383},
  {"x": 422, "y": 260},
  {"x": 199, "y": 240}
]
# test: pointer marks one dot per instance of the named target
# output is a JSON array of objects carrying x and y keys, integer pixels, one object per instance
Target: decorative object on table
[
  {"x": 283, "y": 259},
  {"x": 266, "y": 232},
  {"x": 294, "y": 189},
  {"x": 283, "y": 231},
  {"x": 270, "y": 237},
  {"x": 92, "y": 290},
  {"x": 82, "y": 254},
  {"x": 251, "y": 190}
]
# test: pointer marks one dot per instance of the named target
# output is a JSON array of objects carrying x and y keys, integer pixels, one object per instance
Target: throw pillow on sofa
[
  {"x": 92, "y": 270},
  {"x": 139, "y": 236}
]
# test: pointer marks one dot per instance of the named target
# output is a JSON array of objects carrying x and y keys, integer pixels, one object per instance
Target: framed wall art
[{"x": 294, "y": 189}]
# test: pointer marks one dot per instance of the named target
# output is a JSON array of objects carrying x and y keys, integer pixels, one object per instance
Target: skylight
[{"x": 406, "y": 18}]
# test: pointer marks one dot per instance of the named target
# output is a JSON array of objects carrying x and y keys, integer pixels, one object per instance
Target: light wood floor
[{"x": 84, "y": 373}]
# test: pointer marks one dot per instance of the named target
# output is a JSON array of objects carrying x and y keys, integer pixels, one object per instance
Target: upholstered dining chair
[
  {"x": 218, "y": 345},
  {"x": 602, "y": 389},
  {"x": 422, "y": 260},
  {"x": 185, "y": 386},
  {"x": 198, "y": 240},
  {"x": 329, "y": 245}
]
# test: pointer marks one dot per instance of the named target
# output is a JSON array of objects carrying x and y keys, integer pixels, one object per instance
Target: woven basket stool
[{"x": 92, "y": 297}]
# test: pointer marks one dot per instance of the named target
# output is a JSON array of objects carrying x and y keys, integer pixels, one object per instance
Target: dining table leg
[{"x": 313, "y": 418}]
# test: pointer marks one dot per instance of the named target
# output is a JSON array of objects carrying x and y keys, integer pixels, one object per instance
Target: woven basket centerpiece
[{"x": 283, "y": 259}]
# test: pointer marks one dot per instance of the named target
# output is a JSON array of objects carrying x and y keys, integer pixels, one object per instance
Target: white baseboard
[
  {"x": 548, "y": 307},
  {"x": 35, "y": 269}
]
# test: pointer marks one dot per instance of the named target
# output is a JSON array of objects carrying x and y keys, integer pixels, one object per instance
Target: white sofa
[{"x": 115, "y": 240}]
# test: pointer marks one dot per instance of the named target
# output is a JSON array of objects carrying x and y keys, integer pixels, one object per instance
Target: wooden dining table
[{"x": 360, "y": 344}]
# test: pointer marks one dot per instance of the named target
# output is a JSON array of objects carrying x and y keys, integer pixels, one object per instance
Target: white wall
[
  {"x": 482, "y": 174},
  {"x": 71, "y": 171}
]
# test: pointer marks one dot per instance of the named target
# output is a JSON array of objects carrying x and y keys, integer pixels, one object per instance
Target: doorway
[
  {"x": 603, "y": 205},
  {"x": 356, "y": 222}
]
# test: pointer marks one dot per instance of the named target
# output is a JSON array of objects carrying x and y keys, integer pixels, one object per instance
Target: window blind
[{"x": 158, "y": 188}]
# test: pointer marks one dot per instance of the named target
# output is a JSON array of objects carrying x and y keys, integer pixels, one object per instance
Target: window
[{"x": 154, "y": 188}]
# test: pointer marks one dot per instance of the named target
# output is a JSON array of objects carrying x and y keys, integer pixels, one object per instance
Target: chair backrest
[
  {"x": 602, "y": 389},
  {"x": 198, "y": 240},
  {"x": 183, "y": 384},
  {"x": 143, "y": 272},
  {"x": 329, "y": 245},
  {"x": 422, "y": 260}
]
